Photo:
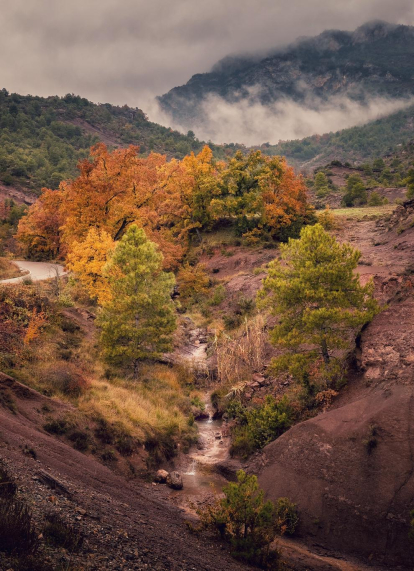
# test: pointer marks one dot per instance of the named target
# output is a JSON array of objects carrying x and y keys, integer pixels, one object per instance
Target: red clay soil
[
  {"x": 351, "y": 469},
  {"x": 125, "y": 526}
]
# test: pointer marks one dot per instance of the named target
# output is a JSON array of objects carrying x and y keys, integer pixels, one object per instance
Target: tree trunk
[
  {"x": 325, "y": 352},
  {"x": 136, "y": 368}
]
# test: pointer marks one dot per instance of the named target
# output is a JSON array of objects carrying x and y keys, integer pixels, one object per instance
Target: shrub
[
  {"x": 6, "y": 400},
  {"x": 218, "y": 296},
  {"x": 108, "y": 456},
  {"x": 193, "y": 281},
  {"x": 57, "y": 426},
  {"x": 375, "y": 199},
  {"x": 115, "y": 434},
  {"x": 260, "y": 425},
  {"x": 327, "y": 219},
  {"x": 17, "y": 534},
  {"x": 65, "y": 379},
  {"x": 61, "y": 534},
  {"x": 232, "y": 320},
  {"x": 8, "y": 487},
  {"x": 80, "y": 440},
  {"x": 287, "y": 517},
  {"x": 242, "y": 442},
  {"x": 244, "y": 519}
]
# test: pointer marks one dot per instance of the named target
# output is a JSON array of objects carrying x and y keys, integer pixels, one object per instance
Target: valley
[{"x": 207, "y": 348}]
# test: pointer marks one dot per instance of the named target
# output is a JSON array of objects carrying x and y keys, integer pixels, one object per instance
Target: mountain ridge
[{"x": 374, "y": 60}]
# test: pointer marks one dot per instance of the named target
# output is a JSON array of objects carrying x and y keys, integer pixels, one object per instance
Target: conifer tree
[
  {"x": 319, "y": 302},
  {"x": 138, "y": 321}
]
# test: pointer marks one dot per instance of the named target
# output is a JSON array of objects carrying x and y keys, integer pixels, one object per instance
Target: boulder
[
  {"x": 161, "y": 476},
  {"x": 175, "y": 481}
]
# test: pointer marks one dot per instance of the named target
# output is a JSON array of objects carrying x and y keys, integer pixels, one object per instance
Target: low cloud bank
[{"x": 253, "y": 123}]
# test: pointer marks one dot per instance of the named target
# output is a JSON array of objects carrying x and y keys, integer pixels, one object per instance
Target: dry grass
[
  {"x": 364, "y": 211},
  {"x": 153, "y": 403},
  {"x": 239, "y": 357},
  {"x": 8, "y": 269}
]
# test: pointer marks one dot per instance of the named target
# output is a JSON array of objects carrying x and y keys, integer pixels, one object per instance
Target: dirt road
[{"x": 36, "y": 271}]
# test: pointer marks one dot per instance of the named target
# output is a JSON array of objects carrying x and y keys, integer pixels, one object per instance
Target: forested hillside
[
  {"x": 42, "y": 139},
  {"x": 354, "y": 145}
]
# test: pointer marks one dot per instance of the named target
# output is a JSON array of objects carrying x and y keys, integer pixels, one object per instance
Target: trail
[{"x": 36, "y": 271}]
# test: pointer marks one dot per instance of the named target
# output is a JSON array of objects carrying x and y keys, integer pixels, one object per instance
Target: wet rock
[
  {"x": 200, "y": 414},
  {"x": 229, "y": 469},
  {"x": 175, "y": 481},
  {"x": 161, "y": 476}
]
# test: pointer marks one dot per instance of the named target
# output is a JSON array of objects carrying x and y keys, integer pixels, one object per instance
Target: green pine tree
[
  {"x": 319, "y": 302},
  {"x": 139, "y": 320}
]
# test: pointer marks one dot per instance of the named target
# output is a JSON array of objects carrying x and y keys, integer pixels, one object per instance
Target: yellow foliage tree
[{"x": 87, "y": 259}]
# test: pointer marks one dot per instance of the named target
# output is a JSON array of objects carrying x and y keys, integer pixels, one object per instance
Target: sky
[{"x": 129, "y": 51}]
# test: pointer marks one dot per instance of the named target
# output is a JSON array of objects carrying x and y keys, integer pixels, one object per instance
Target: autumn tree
[
  {"x": 138, "y": 321},
  {"x": 87, "y": 260},
  {"x": 39, "y": 231},
  {"x": 319, "y": 302},
  {"x": 263, "y": 195}
]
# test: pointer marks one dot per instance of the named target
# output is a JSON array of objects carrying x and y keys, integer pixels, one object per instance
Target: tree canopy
[
  {"x": 319, "y": 302},
  {"x": 138, "y": 319}
]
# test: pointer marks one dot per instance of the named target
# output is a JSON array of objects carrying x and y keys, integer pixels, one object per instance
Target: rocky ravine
[
  {"x": 351, "y": 469},
  {"x": 125, "y": 526}
]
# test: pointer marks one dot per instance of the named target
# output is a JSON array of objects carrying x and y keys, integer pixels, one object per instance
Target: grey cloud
[
  {"x": 128, "y": 51},
  {"x": 252, "y": 123}
]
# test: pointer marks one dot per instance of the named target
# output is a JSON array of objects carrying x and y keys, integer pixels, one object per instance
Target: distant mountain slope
[
  {"x": 42, "y": 139},
  {"x": 377, "y": 59},
  {"x": 354, "y": 145}
]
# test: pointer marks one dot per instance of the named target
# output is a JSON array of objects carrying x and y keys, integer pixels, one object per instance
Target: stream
[{"x": 201, "y": 481}]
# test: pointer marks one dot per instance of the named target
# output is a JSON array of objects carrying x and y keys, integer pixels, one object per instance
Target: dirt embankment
[
  {"x": 124, "y": 525},
  {"x": 351, "y": 469}
]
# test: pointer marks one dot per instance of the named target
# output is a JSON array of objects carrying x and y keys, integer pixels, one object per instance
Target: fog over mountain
[
  {"x": 128, "y": 51},
  {"x": 329, "y": 82}
]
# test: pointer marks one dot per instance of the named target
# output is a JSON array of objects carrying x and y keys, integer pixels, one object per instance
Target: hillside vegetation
[
  {"x": 42, "y": 139},
  {"x": 353, "y": 145}
]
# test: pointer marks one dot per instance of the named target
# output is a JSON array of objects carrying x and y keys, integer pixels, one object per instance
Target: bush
[
  {"x": 218, "y": 296},
  {"x": 116, "y": 435},
  {"x": 245, "y": 520},
  {"x": 242, "y": 442},
  {"x": 193, "y": 281},
  {"x": 17, "y": 534},
  {"x": 8, "y": 487},
  {"x": 80, "y": 440},
  {"x": 258, "y": 426},
  {"x": 287, "y": 517},
  {"x": 61, "y": 534},
  {"x": 58, "y": 426},
  {"x": 327, "y": 219},
  {"x": 65, "y": 379},
  {"x": 375, "y": 199}
]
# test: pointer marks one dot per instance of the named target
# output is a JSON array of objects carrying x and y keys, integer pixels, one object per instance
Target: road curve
[{"x": 36, "y": 271}]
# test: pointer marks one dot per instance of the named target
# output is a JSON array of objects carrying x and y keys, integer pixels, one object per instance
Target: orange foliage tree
[
  {"x": 39, "y": 231},
  {"x": 171, "y": 201}
]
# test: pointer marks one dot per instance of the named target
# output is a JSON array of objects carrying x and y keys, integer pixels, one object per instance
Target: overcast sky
[{"x": 125, "y": 51}]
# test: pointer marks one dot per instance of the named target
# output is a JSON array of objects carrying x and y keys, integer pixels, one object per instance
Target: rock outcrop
[{"x": 351, "y": 469}]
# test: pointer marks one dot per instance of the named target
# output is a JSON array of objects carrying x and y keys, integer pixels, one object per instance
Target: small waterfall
[{"x": 191, "y": 471}]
